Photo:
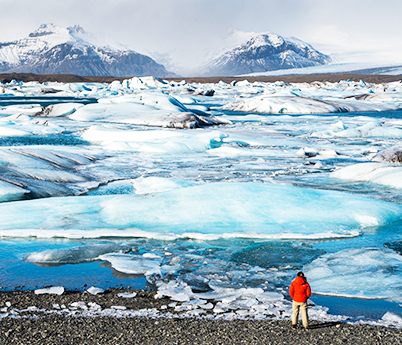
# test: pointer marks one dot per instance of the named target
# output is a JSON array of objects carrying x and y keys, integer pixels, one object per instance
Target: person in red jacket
[{"x": 300, "y": 292}]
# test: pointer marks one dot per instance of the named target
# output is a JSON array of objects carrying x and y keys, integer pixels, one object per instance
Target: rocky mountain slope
[
  {"x": 52, "y": 49},
  {"x": 264, "y": 52}
]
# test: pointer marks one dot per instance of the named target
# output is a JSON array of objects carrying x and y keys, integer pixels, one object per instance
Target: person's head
[{"x": 300, "y": 274}]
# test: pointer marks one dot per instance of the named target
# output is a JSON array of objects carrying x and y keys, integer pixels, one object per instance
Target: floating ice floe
[
  {"x": 73, "y": 255},
  {"x": 23, "y": 125},
  {"x": 56, "y": 290},
  {"x": 157, "y": 184},
  {"x": 294, "y": 104},
  {"x": 378, "y": 173},
  {"x": 220, "y": 209},
  {"x": 157, "y": 141},
  {"x": 371, "y": 129},
  {"x": 133, "y": 263},
  {"x": 59, "y": 110},
  {"x": 150, "y": 109},
  {"x": 367, "y": 273},
  {"x": 42, "y": 170}
]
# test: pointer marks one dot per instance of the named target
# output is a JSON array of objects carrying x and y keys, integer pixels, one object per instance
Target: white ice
[
  {"x": 56, "y": 290},
  {"x": 241, "y": 209},
  {"x": 127, "y": 294},
  {"x": 133, "y": 263},
  {"x": 93, "y": 290},
  {"x": 359, "y": 273},
  {"x": 378, "y": 173},
  {"x": 73, "y": 255},
  {"x": 295, "y": 104},
  {"x": 176, "y": 183},
  {"x": 10, "y": 192}
]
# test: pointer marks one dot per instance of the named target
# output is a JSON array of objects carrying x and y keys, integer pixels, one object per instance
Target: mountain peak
[
  {"x": 265, "y": 52},
  {"x": 52, "y": 49},
  {"x": 47, "y": 30},
  {"x": 76, "y": 29}
]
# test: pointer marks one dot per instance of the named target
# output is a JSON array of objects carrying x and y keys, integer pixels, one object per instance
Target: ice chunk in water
[
  {"x": 180, "y": 292},
  {"x": 145, "y": 185},
  {"x": 392, "y": 318},
  {"x": 277, "y": 254},
  {"x": 133, "y": 264},
  {"x": 358, "y": 273},
  {"x": 95, "y": 290},
  {"x": 379, "y": 173},
  {"x": 73, "y": 255},
  {"x": 61, "y": 109},
  {"x": 225, "y": 209},
  {"x": 56, "y": 290}
]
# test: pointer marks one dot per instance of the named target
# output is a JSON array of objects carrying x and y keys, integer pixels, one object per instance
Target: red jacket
[{"x": 300, "y": 290}]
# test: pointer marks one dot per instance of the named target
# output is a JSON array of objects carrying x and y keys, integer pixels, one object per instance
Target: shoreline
[
  {"x": 38, "y": 325},
  {"x": 298, "y": 78}
]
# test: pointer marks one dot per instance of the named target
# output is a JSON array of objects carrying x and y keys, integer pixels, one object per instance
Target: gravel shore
[
  {"x": 33, "y": 327},
  {"x": 304, "y": 78}
]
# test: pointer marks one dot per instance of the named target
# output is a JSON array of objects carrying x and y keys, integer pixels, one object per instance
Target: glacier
[{"x": 204, "y": 191}]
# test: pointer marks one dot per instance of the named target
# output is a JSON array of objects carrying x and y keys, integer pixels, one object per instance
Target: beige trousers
[{"x": 295, "y": 315}]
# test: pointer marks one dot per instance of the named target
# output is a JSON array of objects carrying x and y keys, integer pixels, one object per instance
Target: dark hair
[{"x": 300, "y": 274}]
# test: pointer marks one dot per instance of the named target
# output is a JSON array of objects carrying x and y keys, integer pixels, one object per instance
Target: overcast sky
[{"x": 189, "y": 30}]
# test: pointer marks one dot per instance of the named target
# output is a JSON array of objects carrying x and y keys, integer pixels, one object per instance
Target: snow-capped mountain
[
  {"x": 265, "y": 52},
  {"x": 52, "y": 49}
]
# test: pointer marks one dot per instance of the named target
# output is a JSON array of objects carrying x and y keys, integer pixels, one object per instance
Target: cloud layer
[{"x": 182, "y": 33}]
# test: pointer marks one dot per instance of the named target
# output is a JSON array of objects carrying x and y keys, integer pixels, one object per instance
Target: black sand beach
[{"x": 40, "y": 328}]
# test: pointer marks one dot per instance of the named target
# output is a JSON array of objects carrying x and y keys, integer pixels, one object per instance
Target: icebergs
[
  {"x": 73, "y": 255},
  {"x": 158, "y": 141},
  {"x": 156, "y": 185},
  {"x": 379, "y": 173},
  {"x": 23, "y": 125},
  {"x": 133, "y": 263},
  {"x": 359, "y": 273},
  {"x": 59, "y": 110},
  {"x": 295, "y": 104},
  {"x": 218, "y": 209},
  {"x": 41, "y": 170},
  {"x": 149, "y": 109},
  {"x": 370, "y": 129}
]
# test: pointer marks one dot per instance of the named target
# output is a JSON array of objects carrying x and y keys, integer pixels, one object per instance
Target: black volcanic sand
[
  {"x": 56, "y": 329},
  {"x": 308, "y": 78}
]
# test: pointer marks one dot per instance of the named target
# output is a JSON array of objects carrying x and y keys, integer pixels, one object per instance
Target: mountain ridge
[
  {"x": 52, "y": 49},
  {"x": 262, "y": 53}
]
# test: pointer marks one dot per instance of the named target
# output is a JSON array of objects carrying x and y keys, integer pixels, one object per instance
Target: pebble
[{"x": 44, "y": 328}]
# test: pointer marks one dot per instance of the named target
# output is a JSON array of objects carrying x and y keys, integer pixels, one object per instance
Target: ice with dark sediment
[{"x": 389, "y": 155}]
